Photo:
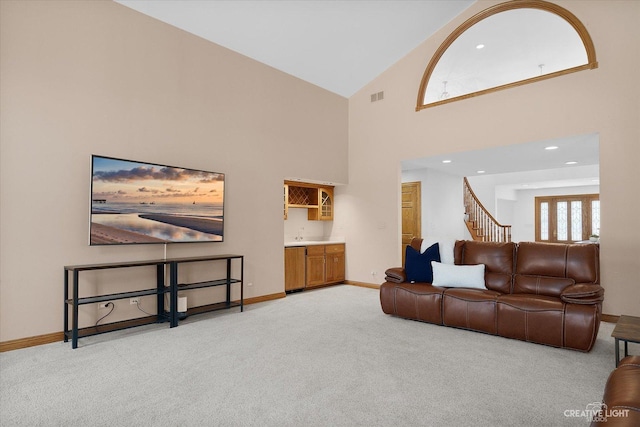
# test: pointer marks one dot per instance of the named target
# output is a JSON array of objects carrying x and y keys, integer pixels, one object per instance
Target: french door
[{"x": 566, "y": 219}]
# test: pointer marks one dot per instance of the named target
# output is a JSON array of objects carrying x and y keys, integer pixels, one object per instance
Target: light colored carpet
[{"x": 327, "y": 357}]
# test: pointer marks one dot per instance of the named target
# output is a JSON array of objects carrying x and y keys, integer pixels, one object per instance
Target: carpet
[{"x": 326, "y": 357}]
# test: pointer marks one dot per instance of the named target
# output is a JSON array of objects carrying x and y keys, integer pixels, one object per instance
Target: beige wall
[
  {"x": 94, "y": 77},
  {"x": 605, "y": 100},
  {"x": 88, "y": 77}
]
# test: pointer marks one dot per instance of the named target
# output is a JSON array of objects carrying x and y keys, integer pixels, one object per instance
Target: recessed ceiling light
[
  {"x": 479, "y": 46},
  {"x": 446, "y": 161},
  {"x": 480, "y": 171},
  {"x": 551, "y": 147},
  {"x": 571, "y": 163}
]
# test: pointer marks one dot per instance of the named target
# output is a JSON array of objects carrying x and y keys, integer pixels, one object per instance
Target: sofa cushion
[
  {"x": 583, "y": 263},
  {"x": 532, "y": 318},
  {"x": 499, "y": 282},
  {"x": 473, "y": 309},
  {"x": 416, "y": 301},
  {"x": 446, "y": 248},
  {"x": 459, "y": 276},
  {"x": 542, "y": 259},
  {"x": 532, "y": 302},
  {"x": 540, "y": 285},
  {"x": 418, "y": 265},
  {"x": 498, "y": 258}
]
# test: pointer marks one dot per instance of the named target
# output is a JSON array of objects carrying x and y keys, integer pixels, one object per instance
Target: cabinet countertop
[{"x": 312, "y": 243}]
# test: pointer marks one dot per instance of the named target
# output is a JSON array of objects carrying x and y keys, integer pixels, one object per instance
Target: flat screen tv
[{"x": 135, "y": 202}]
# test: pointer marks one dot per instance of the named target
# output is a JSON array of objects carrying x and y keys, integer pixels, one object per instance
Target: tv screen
[{"x": 134, "y": 202}]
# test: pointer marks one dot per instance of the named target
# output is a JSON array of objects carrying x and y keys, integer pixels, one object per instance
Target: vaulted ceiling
[{"x": 337, "y": 45}]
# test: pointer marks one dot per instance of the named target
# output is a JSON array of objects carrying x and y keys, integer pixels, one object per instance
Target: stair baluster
[{"x": 480, "y": 223}]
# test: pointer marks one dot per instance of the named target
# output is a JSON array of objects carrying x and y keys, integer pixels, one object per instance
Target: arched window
[{"x": 509, "y": 44}]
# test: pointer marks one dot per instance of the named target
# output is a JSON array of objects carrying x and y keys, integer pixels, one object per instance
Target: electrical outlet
[
  {"x": 104, "y": 305},
  {"x": 133, "y": 301},
  {"x": 249, "y": 284}
]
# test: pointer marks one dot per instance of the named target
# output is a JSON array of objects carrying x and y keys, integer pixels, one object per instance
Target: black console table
[{"x": 72, "y": 300}]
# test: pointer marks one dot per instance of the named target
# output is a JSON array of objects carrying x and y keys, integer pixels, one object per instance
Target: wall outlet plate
[
  {"x": 133, "y": 301},
  {"x": 103, "y": 305}
]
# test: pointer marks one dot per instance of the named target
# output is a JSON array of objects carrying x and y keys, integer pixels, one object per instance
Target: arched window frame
[{"x": 503, "y": 7}]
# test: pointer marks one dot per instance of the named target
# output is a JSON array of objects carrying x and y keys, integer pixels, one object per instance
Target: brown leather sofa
[
  {"x": 621, "y": 400},
  {"x": 538, "y": 292}
]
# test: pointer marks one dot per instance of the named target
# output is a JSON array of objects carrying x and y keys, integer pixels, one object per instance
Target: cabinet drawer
[
  {"x": 315, "y": 250},
  {"x": 333, "y": 249}
]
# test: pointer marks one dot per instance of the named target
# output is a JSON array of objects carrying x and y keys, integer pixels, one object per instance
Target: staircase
[{"x": 480, "y": 223}]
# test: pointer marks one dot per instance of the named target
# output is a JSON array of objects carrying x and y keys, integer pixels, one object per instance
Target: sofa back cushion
[
  {"x": 542, "y": 259},
  {"x": 498, "y": 258},
  {"x": 416, "y": 243},
  {"x": 548, "y": 268},
  {"x": 583, "y": 263}
]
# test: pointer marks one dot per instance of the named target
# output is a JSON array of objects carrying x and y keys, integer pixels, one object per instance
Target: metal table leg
[{"x": 74, "y": 320}]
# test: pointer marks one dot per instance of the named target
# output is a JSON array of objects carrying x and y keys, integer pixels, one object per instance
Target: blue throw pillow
[{"x": 418, "y": 265}]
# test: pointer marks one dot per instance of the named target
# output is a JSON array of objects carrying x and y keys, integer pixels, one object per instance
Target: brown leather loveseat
[{"x": 538, "y": 292}]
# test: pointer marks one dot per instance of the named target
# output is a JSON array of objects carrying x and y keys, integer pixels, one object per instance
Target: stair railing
[{"x": 481, "y": 224}]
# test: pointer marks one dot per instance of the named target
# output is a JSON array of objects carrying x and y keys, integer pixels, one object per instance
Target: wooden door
[
  {"x": 411, "y": 214},
  {"x": 294, "y": 268}
]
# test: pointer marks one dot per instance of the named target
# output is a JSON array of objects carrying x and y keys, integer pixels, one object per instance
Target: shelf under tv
[
  {"x": 72, "y": 300},
  {"x": 115, "y": 326}
]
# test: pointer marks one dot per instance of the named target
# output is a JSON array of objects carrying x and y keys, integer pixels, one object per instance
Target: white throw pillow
[
  {"x": 458, "y": 276},
  {"x": 446, "y": 248}
]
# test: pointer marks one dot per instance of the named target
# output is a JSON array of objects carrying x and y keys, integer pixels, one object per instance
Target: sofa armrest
[
  {"x": 395, "y": 275},
  {"x": 583, "y": 293}
]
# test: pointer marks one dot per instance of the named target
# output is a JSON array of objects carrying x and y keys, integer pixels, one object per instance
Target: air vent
[{"x": 377, "y": 96}]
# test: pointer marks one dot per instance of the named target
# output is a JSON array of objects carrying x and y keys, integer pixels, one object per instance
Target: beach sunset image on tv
[{"x": 134, "y": 202}]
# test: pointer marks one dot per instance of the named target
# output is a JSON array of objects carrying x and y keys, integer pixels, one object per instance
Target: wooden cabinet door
[
  {"x": 294, "y": 268},
  {"x": 323, "y": 210},
  {"x": 325, "y": 201},
  {"x": 315, "y": 265},
  {"x": 335, "y": 264},
  {"x": 335, "y": 268}
]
